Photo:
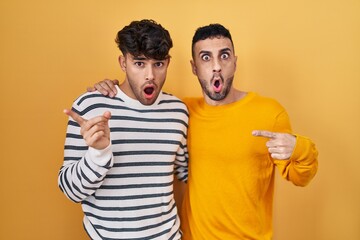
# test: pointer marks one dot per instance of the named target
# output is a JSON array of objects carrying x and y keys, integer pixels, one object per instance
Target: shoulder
[
  {"x": 265, "y": 102},
  {"x": 94, "y": 101},
  {"x": 89, "y": 98},
  {"x": 192, "y": 101},
  {"x": 171, "y": 100}
]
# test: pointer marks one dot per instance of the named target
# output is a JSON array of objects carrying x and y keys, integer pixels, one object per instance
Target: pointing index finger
[
  {"x": 74, "y": 116},
  {"x": 263, "y": 133}
]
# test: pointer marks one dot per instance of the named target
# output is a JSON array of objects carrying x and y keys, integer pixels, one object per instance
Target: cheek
[
  {"x": 231, "y": 64},
  {"x": 135, "y": 74},
  {"x": 229, "y": 69},
  {"x": 161, "y": 74},
  {"x": 203, "y": 72}
]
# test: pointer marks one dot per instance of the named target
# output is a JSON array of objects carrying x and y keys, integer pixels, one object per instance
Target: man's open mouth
[
  {"x": 149, "y": 91},
  {"x": 217, "y": 85}
]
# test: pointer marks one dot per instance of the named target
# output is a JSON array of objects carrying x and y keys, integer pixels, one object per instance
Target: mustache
[
  {"x": 217, "y": 76},
  {"x": 149, "y": 83}
]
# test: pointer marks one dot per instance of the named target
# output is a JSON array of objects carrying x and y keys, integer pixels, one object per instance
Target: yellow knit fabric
[{"x": 230, "y": 187}]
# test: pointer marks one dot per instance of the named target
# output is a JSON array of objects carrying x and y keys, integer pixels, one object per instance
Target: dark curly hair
[
  {"x": 145, "y": 37},
  {"x": 210, "y": 31}
]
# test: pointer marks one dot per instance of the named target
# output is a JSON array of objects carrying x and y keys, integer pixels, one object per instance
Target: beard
[{"x": 217, "y": 96}]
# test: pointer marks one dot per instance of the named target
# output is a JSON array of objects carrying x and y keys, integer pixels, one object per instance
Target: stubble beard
[{"x": 217, "y": 96}]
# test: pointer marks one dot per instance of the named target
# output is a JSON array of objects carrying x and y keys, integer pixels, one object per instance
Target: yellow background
[{"x": 304, "y": 53}]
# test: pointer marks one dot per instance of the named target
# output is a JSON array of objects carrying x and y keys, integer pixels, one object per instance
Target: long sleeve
[
  {"x": 230, "y": 188},
  {"x": 303, "y": 163},
  {"x": 126, "y": 190},
  {"x": 84, "y": 168},
  {"x": 181, "y": 161}
]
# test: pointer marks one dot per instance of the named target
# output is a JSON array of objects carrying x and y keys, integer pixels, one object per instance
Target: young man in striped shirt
[{"x": 121, "y": 153}]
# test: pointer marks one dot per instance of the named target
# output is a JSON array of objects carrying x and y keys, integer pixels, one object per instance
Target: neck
[{"x": 125, "y": 87}]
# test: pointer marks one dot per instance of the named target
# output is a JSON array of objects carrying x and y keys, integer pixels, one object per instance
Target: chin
[{"x": 147, "y": 102}]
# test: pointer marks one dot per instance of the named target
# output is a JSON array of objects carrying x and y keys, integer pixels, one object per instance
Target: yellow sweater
[{"x": 230, "y": 187}]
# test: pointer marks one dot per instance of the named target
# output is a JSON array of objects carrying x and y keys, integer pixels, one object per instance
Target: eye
[
  {"x": 225, "y": 56},
  {"x": 139, "y": 64},
  {"x": 205, "y": 57},
  {"x": 159, "y": 64}
]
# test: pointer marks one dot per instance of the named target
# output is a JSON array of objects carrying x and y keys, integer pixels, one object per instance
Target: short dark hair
[
  {"x": 145, "y": 37},
  {"x": 210, "y": 31}
]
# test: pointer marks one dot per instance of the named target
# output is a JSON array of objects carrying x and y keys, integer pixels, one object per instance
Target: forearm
[
  {"x": 179, "y": 189},
  {"x": 181, "y": 172},
  {"x": 303, "y": 163},
  {"x": 84, "y": 168},
  {"x": 181, "y": 162}
]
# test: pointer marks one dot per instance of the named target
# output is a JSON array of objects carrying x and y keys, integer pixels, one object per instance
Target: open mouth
[
  {"x": 149, "y": 91},
  {"x": 217, "y": 85}
]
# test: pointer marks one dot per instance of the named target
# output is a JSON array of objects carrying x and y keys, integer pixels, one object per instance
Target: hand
[
  {"x": 95, "y": 131},
  {"x": 280, "y": 145},
  {"x": 105, "y": 87}
]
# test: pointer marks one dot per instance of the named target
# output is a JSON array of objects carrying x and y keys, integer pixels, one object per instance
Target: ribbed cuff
[{"x": 101, "y": 157}]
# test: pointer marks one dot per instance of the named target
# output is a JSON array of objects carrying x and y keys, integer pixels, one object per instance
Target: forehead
[
  {"x": 131, "y": 57},
  {"x": 213, "y": 45}
]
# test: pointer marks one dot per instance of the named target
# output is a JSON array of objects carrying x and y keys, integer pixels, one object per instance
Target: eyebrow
[
  {"x": 209, "y": 52},
  {"x": 139, "y": 58},
  {"x": 145, "y": 58},
  {"x": 225, "y": 50},
  {"x": 205, "y": 52}
]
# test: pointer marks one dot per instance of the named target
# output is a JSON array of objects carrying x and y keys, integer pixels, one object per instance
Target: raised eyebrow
[
  {"x": 225, "y": 50},
  {"x": 204, "y": 52}
]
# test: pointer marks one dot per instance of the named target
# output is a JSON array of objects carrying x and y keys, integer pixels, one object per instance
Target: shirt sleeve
[
  {"x": 181, "y": 163},
  {"x": 303, "y": 163},
  {"x": 84, "y": 168},
  {"x": 302, "y": 166},
  {"x": 182, "y": 157}
]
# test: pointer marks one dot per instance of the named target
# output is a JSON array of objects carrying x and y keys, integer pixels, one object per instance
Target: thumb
[
  {"x": 107, "y": 115},
  {"x": 116, "y": 82}
]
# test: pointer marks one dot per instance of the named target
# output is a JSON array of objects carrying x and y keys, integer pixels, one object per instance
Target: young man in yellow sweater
[
  {"x": 231, "y": 172},
  {"x": 235, "y": 141}
]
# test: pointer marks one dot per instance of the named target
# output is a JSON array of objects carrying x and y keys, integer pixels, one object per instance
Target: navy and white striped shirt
[{"x": 126, "y": 190}]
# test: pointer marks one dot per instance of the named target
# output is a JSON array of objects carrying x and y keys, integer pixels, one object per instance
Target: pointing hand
[
  {"x": 95, "y": 131},
  {"x": 280, "y": 145}
]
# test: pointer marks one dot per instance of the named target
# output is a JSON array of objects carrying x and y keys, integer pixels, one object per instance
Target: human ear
[
  {"x": 193, "y": 67},
  {"x": 122, "y": 62}
]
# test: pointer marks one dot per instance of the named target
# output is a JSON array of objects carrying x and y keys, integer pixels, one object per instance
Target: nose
[
  {"x": 149, "y": 75},
  {"x": 216, "y": 66}
]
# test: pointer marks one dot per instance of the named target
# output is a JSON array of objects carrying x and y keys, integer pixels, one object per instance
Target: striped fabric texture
[{"x": 126, "y": 190}]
